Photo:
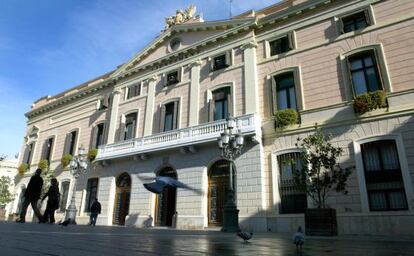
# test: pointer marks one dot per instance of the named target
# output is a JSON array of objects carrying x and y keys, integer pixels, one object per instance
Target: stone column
[
  {"x": 194, "y": 92},
  {"x": 250, "y": 77},
  {"x": 149, "y": 108},
  {"x": 114, "y": 116}
]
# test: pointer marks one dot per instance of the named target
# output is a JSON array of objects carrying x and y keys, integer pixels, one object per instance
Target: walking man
[
  {"x": 52, "y": 202},
  {"x": 31, "y": 196},
  {"x": 95, "y": 210}
]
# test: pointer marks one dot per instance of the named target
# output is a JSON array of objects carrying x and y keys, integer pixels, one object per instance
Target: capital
[
  {"x": 153, "y": 78},
  {"x": 116, "y": 91},
  {"x": 251, "y": 44},
  {"x": 196, "y": 63}
]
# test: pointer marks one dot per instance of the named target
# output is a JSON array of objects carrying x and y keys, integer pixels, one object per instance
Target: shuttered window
[
  {"x": 64, "y": 195},
  {"x": 364, "y": 72},
  {"x": 70, "y": 143},
  {"x": 284, "y": 92},
  {"x": 97, "y": 138},
  {"x": 383, "y": 176},
  {"x": 47, "y": 149},
  {"x": 28, "y": 153},
  {"x": 355, "y": 22},
  {"x": 293, "y": 198},
  {"x": 133, "y": 91},
  {"x": 129, "y": 127}
]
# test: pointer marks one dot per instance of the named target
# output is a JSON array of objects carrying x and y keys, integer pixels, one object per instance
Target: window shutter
[
  {"x": 26, "y": 154},
  {"x": 211, "y": 107},
  {"x": 211, "y": 64},
  {"x": 164, "y": 80},
  {"x": 375, "y": 59},
  {"x": 162, "y": 118},
  {"x": 229, "y": 57},
  {"x": 44, "y": 150},
  {"x": 348, "y": 71},
  {"x": 341, "y": 26},
  {"x": 368, "y": 17},
  {"x": 274, "y": 91},
  {"x": 105, "y": 102},
  {"x": 122, "y": 128},
  {"x": 127, "y": 93},
  {"x": 98, "y": 104},
  {"x": 134, "y": 126},
  {"x": 94, "y": 137},
  {"x": 267, "y": 49},
  {"x": 291, "y": 40},
  {"x": 67, "y": 144},
  {"x": 230, "y": 105},
  {"x": 175, "y": 116},
  {"x": 180, "y": 74},
  {"x": 30, "y": 154}
]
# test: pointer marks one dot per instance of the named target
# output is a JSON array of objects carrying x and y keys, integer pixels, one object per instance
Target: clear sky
[{"x": 48, "y": 46}]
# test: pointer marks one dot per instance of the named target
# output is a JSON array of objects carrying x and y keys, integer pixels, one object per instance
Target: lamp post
[
  {"x": 230, "y": 143},
  {"x": 77, "y": 166}
]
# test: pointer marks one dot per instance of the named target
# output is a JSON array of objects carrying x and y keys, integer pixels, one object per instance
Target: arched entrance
[
  {"x": 122, "y": 198},
  {"x": 218, "y": 186},
  {"x": 166, "y": 201}
]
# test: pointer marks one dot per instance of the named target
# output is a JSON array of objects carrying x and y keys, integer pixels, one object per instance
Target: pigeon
[
  {"x": 65, "y": 223},
  {"x": 160, "y": 182},
  {"x": 245, "y": 236},
  {"x": 299, "y": 238}
]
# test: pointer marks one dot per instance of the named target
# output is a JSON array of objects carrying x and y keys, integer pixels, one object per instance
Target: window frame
[
  {"x": 176, "y": 119},
  {"x": 180, "y": 73},
  {"x": 231, "y": 103},
  {"x": 66, "y": 149},
  {"x": 300, "y": 101},
  {"x": 61, "y": 205},
  {"x": 128, "y": 90},
  {"x": 369, "y": 17},
  {"x": 292, "y": 44},
  {"x": 381, "y": 64},
  {"x": 408, "y": 186},
  {"x": 28, "y": 155},
  {"x": 47, "y": 153},
  {"x": 123, "y": 125},
  {"x": 94, "y": 134},
  {"x": 228, "y": 60}
]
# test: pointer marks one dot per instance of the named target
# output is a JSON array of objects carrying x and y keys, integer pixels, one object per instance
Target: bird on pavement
[
  {"x": 245, "y": 235},
  {"x": 299, "y": 239},
  {"x": 160, "y": 182},
  {"x": 65, "y": 223}
]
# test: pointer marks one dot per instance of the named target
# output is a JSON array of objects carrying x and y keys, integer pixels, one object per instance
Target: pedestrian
[
  {"x": 32, "y": 196},
  {"x": 299, "y": 239},
  {"x": 95, "y": 210},
  {"x": 52, "y": 202}
]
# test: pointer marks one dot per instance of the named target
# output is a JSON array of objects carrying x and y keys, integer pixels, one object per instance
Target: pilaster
[
  {"x": 114, "y": 116},
  {"x": 250, "y": 77},
  {"x": 149, "y": 108},
  {"x": 194, "y": 92}
]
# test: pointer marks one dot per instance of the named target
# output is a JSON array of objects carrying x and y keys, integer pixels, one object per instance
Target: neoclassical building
[{"x": 162, "y": 112}]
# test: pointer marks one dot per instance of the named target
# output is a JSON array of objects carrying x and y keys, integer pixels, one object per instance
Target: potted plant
[
  {"x": 44, "y": 165},
  {"x": 286, "y": 117},
  {"x": 369, "y": 101},
  {"x": 23, "y": 168},
  {"x": 321, "y": 174},
  {"x": 65, "y": 160},
  {"x": 92, "y": 154}
]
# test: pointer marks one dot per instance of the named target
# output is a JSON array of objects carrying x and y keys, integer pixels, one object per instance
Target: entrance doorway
[
  {"x": 166, "y": 201},
  {"x": 122, "y": 198},
  {"x": 218, "y": 186}
]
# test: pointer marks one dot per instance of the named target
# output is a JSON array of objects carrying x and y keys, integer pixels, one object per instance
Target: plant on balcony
[
  {"x": 320, "y": 175},
  {"x": 286, "y": 117},
  {"x": 65, "y": 160},
  {"x": 23, "y": 169},
  {"x": 44, "y": 165},
  {"x": 369, "y": 101},
  {"x": 92, "y": 154}
]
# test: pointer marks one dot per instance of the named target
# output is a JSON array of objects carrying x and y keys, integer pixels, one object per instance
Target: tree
[
  {"x": 5, "y": 195},
  {"x": 321, "y": 172}
]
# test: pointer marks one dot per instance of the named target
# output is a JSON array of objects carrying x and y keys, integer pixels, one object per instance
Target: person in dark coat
[
  {"x": 52, "y": 202},
  {"x": 95, "y": 210},
  {"x": 31, "y": 196}
]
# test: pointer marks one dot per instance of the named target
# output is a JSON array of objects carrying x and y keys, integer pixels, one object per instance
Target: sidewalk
[{"x": 45, "y": 239}]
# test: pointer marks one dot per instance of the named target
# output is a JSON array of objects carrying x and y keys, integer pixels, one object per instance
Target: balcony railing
[{"x": 248, "y": 125}]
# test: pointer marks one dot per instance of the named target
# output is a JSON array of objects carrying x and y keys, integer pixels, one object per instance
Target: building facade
[{"x": 162, "y": 112}]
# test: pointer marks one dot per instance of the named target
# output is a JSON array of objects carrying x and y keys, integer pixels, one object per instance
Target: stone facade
[{"x": 317, "y": 57}]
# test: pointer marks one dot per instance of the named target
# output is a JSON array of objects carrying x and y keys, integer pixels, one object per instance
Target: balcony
[{"x": 247, "y": 124}]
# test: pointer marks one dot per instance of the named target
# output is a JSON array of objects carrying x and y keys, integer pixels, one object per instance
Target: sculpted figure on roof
[{"x": 180, "y": 16}]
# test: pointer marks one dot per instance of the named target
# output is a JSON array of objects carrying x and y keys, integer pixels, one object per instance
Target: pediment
[{"x": 188, "y": 34}]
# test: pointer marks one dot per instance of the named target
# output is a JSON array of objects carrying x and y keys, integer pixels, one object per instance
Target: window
[
  {"x": 47, "y": 149},
  {"x": 70, "y": 144},
  {"x": 293, "y": 198},
  {"x": 129, "y": 126},
  {"x": 133, "y": 91},
  {"x": 364, "y": 72},
  {"x": 221, "y": 61},
  {"x": 284, "y": 93},
  {"x": 279, "y": 46},
  {"x": 91, "y": 193},
  {"x": 64, "y": 192},
  {"x": 28, "y": 153},
  {"x": 169, "y": 116},
  {"x": 172, "y": 78},
  {"x": 104, "y": 103},
  {"x": 383, "y": 176},
  {"x": 355, "y": 21},
  {"x": 98, "y": 135},
  {"x": 220, "y": 104}
]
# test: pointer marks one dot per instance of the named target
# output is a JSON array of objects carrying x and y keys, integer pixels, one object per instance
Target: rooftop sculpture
[{"x": 181, "y": 16}]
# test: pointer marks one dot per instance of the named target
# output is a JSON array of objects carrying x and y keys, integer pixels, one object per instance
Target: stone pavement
[{"x": 45, "y": 239}]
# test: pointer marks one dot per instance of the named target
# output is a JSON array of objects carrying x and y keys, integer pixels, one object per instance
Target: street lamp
[
  {"x": 77, "y": 166},
  {"x": 230, "y": 143}
]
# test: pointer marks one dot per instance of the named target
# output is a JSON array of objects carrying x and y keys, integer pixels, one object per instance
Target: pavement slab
[{"x": 46, "y": 239}]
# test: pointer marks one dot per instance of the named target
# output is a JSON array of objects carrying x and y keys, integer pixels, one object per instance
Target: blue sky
[{"x": 48, "y": 46}]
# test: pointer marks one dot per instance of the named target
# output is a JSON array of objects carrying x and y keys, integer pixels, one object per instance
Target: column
[
  {"x": 149, "y": 108},
  {"x": 114, "y": 116},
  {"x": 194, "y": 93},
  {"x": 250, "y": 77}
]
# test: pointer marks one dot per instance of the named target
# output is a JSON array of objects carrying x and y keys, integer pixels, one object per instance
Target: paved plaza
[{"x": 46, "y": 239}]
